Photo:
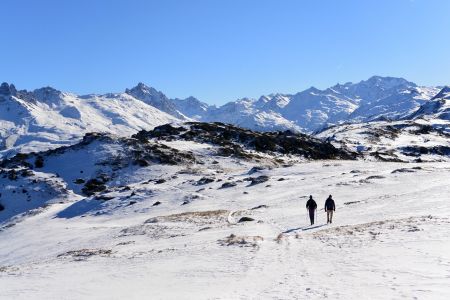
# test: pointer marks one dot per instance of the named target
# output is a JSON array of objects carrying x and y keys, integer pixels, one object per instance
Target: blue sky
[{"x": 217, "y": 50}]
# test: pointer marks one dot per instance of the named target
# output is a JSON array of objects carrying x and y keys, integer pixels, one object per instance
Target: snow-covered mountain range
[
  {"x": 313, "y": 109},
  {"x": 46, "y": 118}
]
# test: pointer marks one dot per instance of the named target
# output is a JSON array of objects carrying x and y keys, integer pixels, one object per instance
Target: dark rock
[
  {"x": 258, "y": 180},
  {"x": 420, "y": 150},
  {"x": 375, "y": 177},
  {"x": 204, "y": 180},
  {"x": 93, "y": 186},
  {"x": 156, "y": 203},
  {"x": 234, "y": 141},
  {"x": 79, "y": 181},
  {"x": 103, "y": 197},
  {"x": 27, "y": 173},
  {"x": 132, "y": 202},
  {"x": 12, "y": 174},
  {"x": 142, "y": 162},
  {"x": 205, "y": 228},
  {"x": 2, "y": 207},
  {"x": 254, "y": 170},
  {"x": 259, "y": 206},
  {"x": 228, "y": 185},
  {"x": 39, "y": 162},
  {"x": 281, "y": 179},
  {"x": 160, "y": 131},
  {"x": 159, "y": 181},
  {"x": 185, "y": 202},
  {"x": 245, "y": 219},
  {"x": 403, "y": 170}
]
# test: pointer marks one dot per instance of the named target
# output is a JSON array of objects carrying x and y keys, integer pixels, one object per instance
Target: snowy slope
[
  {"x": 438, "y": 108},
  {"x": 389, "y": 238},
  {"x": 191, "y": 107},
  {"x": 418, "y": 140},
  {"x": 47, "y": 118},
  {"x": 312, "y": 109},
  {"x": 397, "y": 105},
  {"x": 103, "y": 162},
  {"x": 31, "y": 192},
  {"x": 245, "y": 113}
]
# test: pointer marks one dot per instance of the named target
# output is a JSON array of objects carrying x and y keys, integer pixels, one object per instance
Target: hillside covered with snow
[
  {"x": 423, "y": 135},
  {"x": 213, "y": 211},
  {"x": 47, "y": 118}
]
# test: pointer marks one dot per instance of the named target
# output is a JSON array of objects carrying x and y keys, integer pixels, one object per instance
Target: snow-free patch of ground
[{"x": 389, "y": 238}]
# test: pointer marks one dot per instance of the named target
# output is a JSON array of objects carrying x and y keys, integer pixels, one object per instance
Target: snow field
[{"x": 389, "y": 238}]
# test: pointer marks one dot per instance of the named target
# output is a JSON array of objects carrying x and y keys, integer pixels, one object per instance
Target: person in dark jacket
[
  {"x": 311, "y": 206},
  {"x": 330, "y": 207}
]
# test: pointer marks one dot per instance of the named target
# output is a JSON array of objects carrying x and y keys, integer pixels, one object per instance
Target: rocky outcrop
[{"x": 234, "y": 141}]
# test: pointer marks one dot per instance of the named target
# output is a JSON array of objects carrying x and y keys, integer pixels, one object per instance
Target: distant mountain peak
[
  {"x": 388, "y": 81},
  {"x": 444, "y": 93},
  {"x": 47, "y": 90},
  {"x": 154, "y": 98},
  {"x": 7, "y": 89},
  {"x": 313, "y": 89},
  {"x": 44, "y": 94},
  {"x": 142, "y": 88}
]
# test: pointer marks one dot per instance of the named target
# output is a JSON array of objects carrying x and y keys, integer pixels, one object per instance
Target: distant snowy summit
[{"x": 46, "y": 117}]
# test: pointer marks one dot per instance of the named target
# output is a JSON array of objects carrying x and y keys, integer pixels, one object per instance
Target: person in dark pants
[
  {"x": 311, "y": 206},
  {"x": 330, "y": 207}
]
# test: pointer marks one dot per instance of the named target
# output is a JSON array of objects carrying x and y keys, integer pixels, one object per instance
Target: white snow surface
[
  {"x": 391, "y": 139},
  {"x": 388, "y": 239}
]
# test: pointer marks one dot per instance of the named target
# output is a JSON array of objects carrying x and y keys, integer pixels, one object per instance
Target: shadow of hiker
[
  {"x": 314, "y": 227},
  {"x": 293, "y": 229}
]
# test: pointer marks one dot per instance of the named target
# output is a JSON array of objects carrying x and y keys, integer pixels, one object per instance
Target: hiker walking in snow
[
  {"x": 311, "y": 206},
  {"x": 330, "y": 208}
]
